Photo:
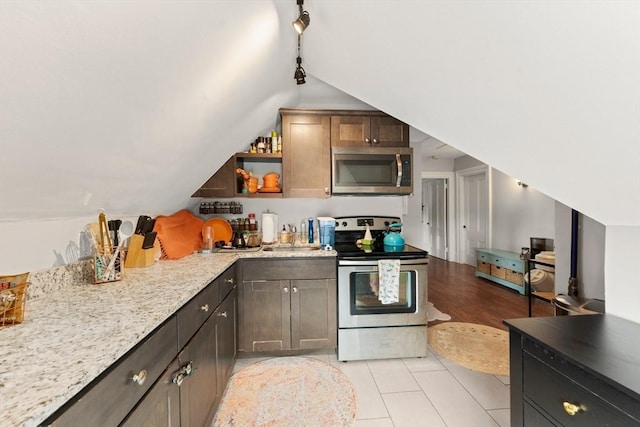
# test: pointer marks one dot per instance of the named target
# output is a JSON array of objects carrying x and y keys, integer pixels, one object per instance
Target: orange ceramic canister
[{"x": 271, "y": 180}]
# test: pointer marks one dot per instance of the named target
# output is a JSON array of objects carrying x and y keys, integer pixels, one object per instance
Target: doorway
[
  {"x": 441, "y": 186},
  {"x": 435, "y": 196},
  {"x": 474, "y": 211}
]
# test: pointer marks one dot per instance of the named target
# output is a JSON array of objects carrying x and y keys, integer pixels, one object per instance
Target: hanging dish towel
[{"x": 389, "y": 273}]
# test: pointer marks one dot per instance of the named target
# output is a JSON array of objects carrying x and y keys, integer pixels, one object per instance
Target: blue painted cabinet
[{"x": 502, "y": 267}]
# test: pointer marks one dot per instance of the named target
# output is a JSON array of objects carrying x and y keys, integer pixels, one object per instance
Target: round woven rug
[
  {"x": 477, "y": 347},
  {"x": 288, "y": 391}
]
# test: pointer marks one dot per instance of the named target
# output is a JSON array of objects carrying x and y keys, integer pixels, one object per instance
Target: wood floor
[{"x": 453, "y": 289}]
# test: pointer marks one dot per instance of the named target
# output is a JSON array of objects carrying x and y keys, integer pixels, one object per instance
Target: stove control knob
[
  {"x": 387, "y": 223},
  {"x": 344, "y": 223}
]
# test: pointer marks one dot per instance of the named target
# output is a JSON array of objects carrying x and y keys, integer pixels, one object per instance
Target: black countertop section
[{"x": 606, "y": 346}]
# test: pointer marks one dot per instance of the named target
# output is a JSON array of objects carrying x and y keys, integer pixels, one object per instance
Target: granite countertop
[{"x": 71, "y": 335}]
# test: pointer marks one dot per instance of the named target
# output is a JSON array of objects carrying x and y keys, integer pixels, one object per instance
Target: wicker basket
[
  {"x": 514, "y": 277},
  {"x": 484, "y": 267},
  {"x": 13, "y": 296},
  {"x": 499, "y": 272}
]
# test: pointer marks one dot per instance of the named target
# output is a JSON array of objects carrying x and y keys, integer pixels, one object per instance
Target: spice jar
[{"x": 253, "y": 225}]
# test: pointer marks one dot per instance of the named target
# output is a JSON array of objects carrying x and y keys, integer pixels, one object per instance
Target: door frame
[
  {"x": 460, "y": 181},
  {"x": 452, "y": 253}
]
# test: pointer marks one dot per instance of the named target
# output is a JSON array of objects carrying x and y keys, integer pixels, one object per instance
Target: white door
[
  {"x": 434, "y": 208},
  {"x": 474, "y": 215}
]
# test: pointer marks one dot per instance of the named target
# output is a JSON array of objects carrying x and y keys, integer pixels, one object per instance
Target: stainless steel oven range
[{"x": 369, "y": 328}]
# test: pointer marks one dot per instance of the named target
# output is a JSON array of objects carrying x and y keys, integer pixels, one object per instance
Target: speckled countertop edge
[{"x": 73, "y": 333}]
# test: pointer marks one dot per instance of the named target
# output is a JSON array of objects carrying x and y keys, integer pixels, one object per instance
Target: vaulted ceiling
[{"x": 130, "y": 106}]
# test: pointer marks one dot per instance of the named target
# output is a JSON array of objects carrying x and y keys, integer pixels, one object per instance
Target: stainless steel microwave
[{"x": 371, "y": 171}]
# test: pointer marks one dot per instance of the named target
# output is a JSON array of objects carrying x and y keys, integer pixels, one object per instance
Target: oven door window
[{"x": 364, "y": 294}]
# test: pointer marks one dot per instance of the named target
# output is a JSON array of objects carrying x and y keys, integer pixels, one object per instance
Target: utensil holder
[
  {"x": 136, "y": 256},
  {"x": 106, "y": 268}
]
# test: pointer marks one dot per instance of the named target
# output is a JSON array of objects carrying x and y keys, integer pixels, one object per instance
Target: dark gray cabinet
[
  {"x": 161, "y": 406},
  {"x": 287, "y": 304},
  {"x": 176, "y": 376},
  {"x": 107, "y": 400},
  {"x": 226, "y": 340},
  {"x": 221, "y": 183},
  {"x": 574, "y": 371}
]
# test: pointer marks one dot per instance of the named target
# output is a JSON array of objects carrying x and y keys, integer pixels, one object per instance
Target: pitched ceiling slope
[
  {"x": 130, "y": 106},
  {"x": 544, "y": 91}
]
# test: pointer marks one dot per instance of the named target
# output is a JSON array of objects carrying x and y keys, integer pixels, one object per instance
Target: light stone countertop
[{"x": 73, "y": 334}]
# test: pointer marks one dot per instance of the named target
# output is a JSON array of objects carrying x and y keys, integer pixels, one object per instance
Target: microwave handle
[{"x": 399, "y": 164}]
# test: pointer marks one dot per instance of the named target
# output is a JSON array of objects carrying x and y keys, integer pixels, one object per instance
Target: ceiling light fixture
[
  {"x": 300, "y": 74},
  {"x": 303, "y": 20}
]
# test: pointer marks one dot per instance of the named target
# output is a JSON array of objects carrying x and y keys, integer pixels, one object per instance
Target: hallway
[{"x": 454, "y": 289}]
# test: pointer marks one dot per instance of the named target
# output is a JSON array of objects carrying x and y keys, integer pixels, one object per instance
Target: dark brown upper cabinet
[{"x": 368, "y": 130}]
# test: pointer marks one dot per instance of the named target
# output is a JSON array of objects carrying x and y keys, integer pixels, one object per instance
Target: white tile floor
[{"x": 430, "y": 391}]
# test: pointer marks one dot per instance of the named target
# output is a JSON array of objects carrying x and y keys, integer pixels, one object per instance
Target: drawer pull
[
  {"x": 184, "y": 372},
  {"x": 204, "y": 308},
  {"x": 140, "y": 377},
  {"x": 571, "y": 408},
  {"x": 223, "y": 314}
]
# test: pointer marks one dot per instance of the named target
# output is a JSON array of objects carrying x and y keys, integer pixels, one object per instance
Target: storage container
[{"x": 499, "y": 272}]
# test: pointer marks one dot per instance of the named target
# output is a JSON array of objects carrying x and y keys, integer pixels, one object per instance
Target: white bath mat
[{"x": 434, "y": 314}]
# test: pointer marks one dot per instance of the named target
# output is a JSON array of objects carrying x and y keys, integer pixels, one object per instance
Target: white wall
[
  {"x": 519, "y": 213},
  {"x": 513, "y": 84}
]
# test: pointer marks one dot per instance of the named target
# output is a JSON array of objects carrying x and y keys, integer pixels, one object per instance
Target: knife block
[{"x": 136, "y": 256}]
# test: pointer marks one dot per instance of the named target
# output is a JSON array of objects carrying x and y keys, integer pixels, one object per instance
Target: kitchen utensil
[
  {"x": 105, "y": 240},
  {"x": 393, "y": 241},
  {"x": 237, "y": 241},
  {"x": 114, "y": 225},
  {"x": 222, "y": 230},
  {"x": 269, "y": 227},
  {"x": 149, "y": 240},
  {"x": 139, "y": 224},
  {"x": 126, "y": 230}
]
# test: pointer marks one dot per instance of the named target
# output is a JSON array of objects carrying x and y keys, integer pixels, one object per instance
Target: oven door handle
[
  {"x": 374, "y": 262},
  {"x": 399, "y": 165}
]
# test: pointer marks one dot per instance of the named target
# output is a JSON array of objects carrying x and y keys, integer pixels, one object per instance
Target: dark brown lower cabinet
[
  {"x": 190, "y": 390},
  {"x": 161, "y": 406},
  {"x": 156, "y": 385},
  {"x": 287, "y": 304}
]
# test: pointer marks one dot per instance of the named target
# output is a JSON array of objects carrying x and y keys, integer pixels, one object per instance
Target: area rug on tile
[
  {"x": 477, "y": 347},
  {"x": 288, "y": 391},
  {"x": 434, "y": 314}
]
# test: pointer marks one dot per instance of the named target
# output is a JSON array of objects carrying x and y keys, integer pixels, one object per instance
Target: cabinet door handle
[
  {"x": 367, "y": 140},
  {"x": 285, "y": 290},
  {"x": 326, "y": 190},
  {"x": 230, "y": 281},
  {"x": 223, "y": 314},
  {"x": 571, "y": 408},
  {"x": 375, "y": 141},
  {"x": 294, "y": 289},
  {"x": 204, "y": 308},
  {"x": 140, "y": 377},
  {"x": 184, "y": 372}
]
